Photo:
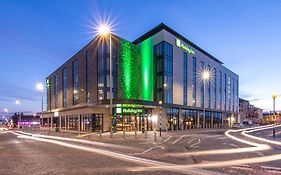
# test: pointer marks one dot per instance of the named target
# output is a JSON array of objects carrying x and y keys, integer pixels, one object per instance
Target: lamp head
[
  {"x": 206, "y": 75},
  {"x": 103, "y": 30},
  {"x": 39, "y": 86}
]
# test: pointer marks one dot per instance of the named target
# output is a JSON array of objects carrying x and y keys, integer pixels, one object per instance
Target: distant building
[
  {"x": 270, "y": 118},
  {"x": 25, "y": 120},
  {"x": 249, "y": 113}
]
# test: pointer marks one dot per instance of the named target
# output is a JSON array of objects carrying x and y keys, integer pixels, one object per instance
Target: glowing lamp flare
[
  {"x": 206, "y": 75},
  {"x": 40, "y": 86},
  {"x": 17, "y": 102},
  {"x": 103, "y": 30}
]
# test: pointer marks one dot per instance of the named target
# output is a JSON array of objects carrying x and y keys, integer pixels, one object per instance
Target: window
[
  {"x": 75, "y": 81},
  {"x": 220, "y": 90},
  {"x": 64, "y": 87},
  {"x": 184, "y": 78},
  {"x": 229, "y": 92},
  {"x": 104, "y": 70},
  {"x": 209, "y": 89},
  {"x": 225, "y": 91},
  {"x": 233, "y": 94},
  {"x": 87, "y": 77},
  {"x": 56, "y": 90},
  {"x": 163, "y": 53},
  {"x": 237, "y": 95},
  {"x": 202, "y": 88},
  {"x": 215, "y": 88},
  {"x": 193, "y": 85}
]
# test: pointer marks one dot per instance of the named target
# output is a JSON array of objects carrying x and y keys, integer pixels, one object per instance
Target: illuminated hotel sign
[
  {"x": 48, "y": 84},
  {"x": 128, "y": 110},
  {"x": 182, "y": 45}
]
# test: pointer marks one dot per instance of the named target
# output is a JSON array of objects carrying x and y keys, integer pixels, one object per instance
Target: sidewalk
[{"x": 121, "y": 136}]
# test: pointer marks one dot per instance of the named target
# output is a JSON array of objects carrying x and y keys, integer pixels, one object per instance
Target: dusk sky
[{"x": 36, "y": 37}]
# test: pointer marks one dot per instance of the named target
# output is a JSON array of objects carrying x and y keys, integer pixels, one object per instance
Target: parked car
[{"x": 238, "y": 125}]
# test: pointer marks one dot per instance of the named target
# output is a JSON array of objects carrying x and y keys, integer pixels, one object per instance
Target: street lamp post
[
  {"x": 104, "y": 30},
  {"x": 40, "y": 88},
  {"x": 274, "y": 97},
  {"x": 18, "y": 103},
  {"x": 160, "y": 118},
  {"x": 205, "y": 77},
  {"x": 6, "y": 110}
]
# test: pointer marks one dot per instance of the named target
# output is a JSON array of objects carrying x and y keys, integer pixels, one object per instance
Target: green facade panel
[
  {"x": 128, "y": 71},
  {"x": 146, "y": 70}
]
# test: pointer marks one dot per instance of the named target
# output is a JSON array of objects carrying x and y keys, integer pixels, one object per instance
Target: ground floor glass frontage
[{"x": 141, "y": 119}]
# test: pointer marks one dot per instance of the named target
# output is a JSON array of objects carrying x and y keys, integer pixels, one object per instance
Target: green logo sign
[
  {"x": 48, "y": 84},
  {"x": 182, "y": 45},
  {"x": 128, "y": 110}
]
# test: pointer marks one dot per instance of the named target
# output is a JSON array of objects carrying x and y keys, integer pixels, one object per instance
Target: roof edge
[{"x": 163, "y": 26}]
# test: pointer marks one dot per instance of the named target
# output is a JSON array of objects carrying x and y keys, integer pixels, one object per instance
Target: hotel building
[{"x": 156, "y": 82}]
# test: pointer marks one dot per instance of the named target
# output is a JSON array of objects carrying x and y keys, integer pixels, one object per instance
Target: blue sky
[{"x": 36, "y": 37}]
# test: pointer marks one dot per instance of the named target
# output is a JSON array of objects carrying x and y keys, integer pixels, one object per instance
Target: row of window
[{"x": 163, "y": 58}]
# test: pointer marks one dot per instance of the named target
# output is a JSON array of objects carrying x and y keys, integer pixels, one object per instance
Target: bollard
[
  {"x": 273, "y": 132},
  {"x": 155, "y": 139},
  {"x": 111, "y": 133},
  {"x": 135, "y": 134},
  {"x": 145, "y": 134}
]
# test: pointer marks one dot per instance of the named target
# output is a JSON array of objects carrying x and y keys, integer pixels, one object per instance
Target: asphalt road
[{"x": 187, "y": 153}]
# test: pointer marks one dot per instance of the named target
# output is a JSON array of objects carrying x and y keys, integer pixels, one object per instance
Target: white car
[{"x": 238, "y": 125}]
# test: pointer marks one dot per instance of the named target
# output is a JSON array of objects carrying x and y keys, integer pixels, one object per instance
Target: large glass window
[
  {"x": 64, "y": 87},
  {"x": 202, "y": 87},
  {"x": 237, "y": 95},
  {"x": 225, "y": 92},
  {"x": 172, "y": 115},
  {"x": 215, "y": 88},
  {"x": 56, "y": 90},
  {"x": 184, "y": 78},
  {"x": 233, "y": 94},
  {"x": 75, "y": 81},
  {"x": 163, "y": 53},
  {"x": 104, "y": 70},
  {"x": 193, "y": 85},
  {"x": 87, "y": 77},
  {"x": 209, "y": 90},
  {"x": 220, "y": 90},
  {"x": 229, "y": 92},
  {"x": 189, "y": 118}
]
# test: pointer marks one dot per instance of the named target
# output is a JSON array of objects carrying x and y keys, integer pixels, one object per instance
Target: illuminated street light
[
  {"x": 105, "y": 30},
  {"x": 40, "y": 86},
  {"x": 19, "y": 103},
  {"x": 206, "y": 75}
]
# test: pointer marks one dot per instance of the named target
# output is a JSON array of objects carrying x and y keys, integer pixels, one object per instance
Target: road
[{"x": 236, "y": 152}]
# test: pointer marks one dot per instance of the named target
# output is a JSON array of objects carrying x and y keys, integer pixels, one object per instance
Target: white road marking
[
  {"x": 132, "y": 159},
  {"x": 196, "y": 144},
  {"x": 231, "y": 162},
  {"x": 166, "y": 140},
  {"x": 79, "y": 141},
  {"x": 181, "y": 137},
  {"x": 146, "y": 151},
  {"x": 235, "y": 146}
]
